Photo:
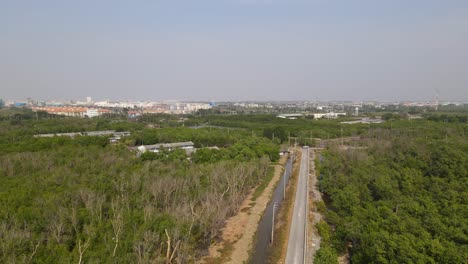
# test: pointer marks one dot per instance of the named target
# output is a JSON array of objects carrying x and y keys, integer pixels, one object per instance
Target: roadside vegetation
[{"x": 401, "y": 200}]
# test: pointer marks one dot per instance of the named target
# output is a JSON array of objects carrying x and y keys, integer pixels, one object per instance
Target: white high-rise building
[{"x": 90, "y": 112}]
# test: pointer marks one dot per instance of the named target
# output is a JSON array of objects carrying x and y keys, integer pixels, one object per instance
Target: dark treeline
[
  {"x": 202, "y": 137},
  {"x": 450, "y": 118},
  {"x": 402, "y": 200},
  {"x": 273, "y": 127}
]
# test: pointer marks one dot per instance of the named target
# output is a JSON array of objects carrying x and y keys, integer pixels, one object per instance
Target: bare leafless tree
[
  {"x": 34, "y": 251},
  {"x": 117, "y": 224},
  {"x": 82, "y": 247},
  {"x": 170, "y": 253},
  {"x": 56, "y": 228}
]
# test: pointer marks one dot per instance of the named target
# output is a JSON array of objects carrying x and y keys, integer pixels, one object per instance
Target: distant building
[
  {"x": 319, "y": 115},
  {"x": 92, "y": 112},
  {"x": 72, "y": 135},
  {"x": 192, "y": 107},
  {"x": 102, "y": 111},
  {"x": 116, "y": 136},
  {"x": 73, "y": 111},
  {"x": 157, "y": 109},
  {"x": 412, "y": 117},
  {"x": 330, "y": 115},
  {"x": 19, "y": 104},
  {"x": 187, "y": 146},
  {"x": 364, "y": 121},
  {"x": 290, "y": 116},
  {"x": 133, "y": 113},
  {"x": 64, "y": 111},
  {"x": 106, "y": 133}
]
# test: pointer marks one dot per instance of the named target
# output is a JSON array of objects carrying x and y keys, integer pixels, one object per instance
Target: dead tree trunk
[
  {"x": 117, "y": 225},
  {"x": 34, "y": 251},
  {"x": 82, "y": 249},
  {"x": 170, "y": 254}
]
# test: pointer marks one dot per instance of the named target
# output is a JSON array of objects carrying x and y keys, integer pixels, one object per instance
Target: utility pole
[
  {"x": 295, "y": 141},
  {"x": 273, "y": 222},
  {"x": 342, "y": 143},
  {"x": 284, "y": 181},
  {"x": 287, "y": 173},
  {"x": 311, "y": 139}
]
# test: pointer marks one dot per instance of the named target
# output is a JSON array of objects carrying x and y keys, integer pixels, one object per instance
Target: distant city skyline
[
  {"x": 175, "y": 100},
  {"x": 83, "y": 100},
  {"x": 234, "y": 50}
]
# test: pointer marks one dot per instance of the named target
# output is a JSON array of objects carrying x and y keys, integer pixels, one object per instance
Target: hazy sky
[{"x": 234, "y": 49}]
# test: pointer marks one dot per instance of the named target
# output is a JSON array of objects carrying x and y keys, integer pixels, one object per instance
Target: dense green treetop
[{"x": 403, "y": 199}]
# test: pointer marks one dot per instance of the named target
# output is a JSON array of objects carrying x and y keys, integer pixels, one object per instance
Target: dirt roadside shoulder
[{"x": 239, "y": 232}]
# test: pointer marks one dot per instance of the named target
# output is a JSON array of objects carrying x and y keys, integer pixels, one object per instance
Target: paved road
[{"x": 297, "y": 233}]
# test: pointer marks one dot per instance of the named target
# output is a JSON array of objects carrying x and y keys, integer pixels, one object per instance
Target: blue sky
[{"x": 234, "y": 49}]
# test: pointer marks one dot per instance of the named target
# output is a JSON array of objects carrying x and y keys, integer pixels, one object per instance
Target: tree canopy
[
  {"x": 401, "y": 200},
  {"x": 81, "y": 199}
]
